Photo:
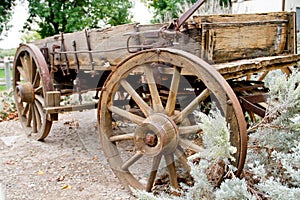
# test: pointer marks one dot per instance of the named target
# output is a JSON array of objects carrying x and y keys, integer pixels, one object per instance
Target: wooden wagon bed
[{"x": 242, "y": 68}]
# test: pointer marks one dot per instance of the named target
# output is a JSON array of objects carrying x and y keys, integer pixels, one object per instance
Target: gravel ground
[{"x": 69, "y": 164}]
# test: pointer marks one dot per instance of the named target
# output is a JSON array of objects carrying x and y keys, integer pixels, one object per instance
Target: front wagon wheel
[
  {"x": 31, "y": 81},
  {"x": 147, "y": 116}
]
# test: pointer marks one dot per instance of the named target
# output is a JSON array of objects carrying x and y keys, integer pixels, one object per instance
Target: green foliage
[
  {"x": 53, "y": 17},
  {"x": 5, "y": 13},
  {"x": 30, "y": 36},
  {"x": 7, "y": 52},
  {"x": 165, "y": 10}
]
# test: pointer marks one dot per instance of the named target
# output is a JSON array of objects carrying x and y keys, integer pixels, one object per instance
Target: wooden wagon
[{"x": 151, "y": 81}]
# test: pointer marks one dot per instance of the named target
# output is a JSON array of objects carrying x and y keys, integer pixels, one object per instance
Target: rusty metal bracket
[
  {"x": 76, "y": 56},
  {"x": 89, "y": 49},
  {"x": 53, "y": 68},
  {"x": 63, "y": 48},
  {"x": 45, "y": 53},
  {"x": 177, "y": 23}
]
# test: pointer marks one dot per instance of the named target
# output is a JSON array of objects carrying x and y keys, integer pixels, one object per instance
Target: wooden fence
[{"x": 7, "y": 80}]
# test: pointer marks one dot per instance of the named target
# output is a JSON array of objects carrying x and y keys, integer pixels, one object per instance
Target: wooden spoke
[
  {"x": 127, "y": 115},
  {"x": 40, "y": 99},
  {"x": 38, "y": 89},
  {"x": 29, "y": 118},
  {"x": 39, "y": 107},
  {"x": 25, "y": 110},
  {"x": 34, "y": 119},
  {"x": 28, "y": 66},
  {"x": 37, "y": 117},
  {"x": 170, "y": 107},
  {"x": 186, "y": 130},
  {"x": 179, "y": 117},
  {"x": 187, "y": 144},
  {"x": 128, "y": 136},
  {"x": 172, "y": 170},
  {"x": 132, "y": 160},
  {"x": 25, "y": 67},
  {"x": 263, "y": 76},
  {"x": 23, "y": 73},
  {"x": 155, "y": 165},
  {"x": 36, "y": 79},
  {"x": 182, "y": 159},
  {"x": 156, "y": 101},
  {"x": 137, "y": 98}
]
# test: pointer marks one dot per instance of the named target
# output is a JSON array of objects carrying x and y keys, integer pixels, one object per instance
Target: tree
[
  {"x": 5, "y": 13},
  {"x": 55, "y": 16},
  {"x": 165, "y": 9}
]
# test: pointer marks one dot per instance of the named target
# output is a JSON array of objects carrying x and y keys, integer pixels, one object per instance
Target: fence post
[{"x": 7, "y": 73}]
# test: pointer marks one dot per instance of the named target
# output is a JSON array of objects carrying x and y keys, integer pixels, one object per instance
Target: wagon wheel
[
  {"x": 31, "y": 82},
  {"x": 136, "y": 139}
]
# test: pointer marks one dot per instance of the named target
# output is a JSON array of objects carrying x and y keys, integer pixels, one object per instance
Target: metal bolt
[{"x": 150, "y": 139}]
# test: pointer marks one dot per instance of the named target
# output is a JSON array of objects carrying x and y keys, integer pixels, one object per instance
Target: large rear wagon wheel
[
  {"x": 31, "y": 81},
  {"x": 152, "y": 130}
]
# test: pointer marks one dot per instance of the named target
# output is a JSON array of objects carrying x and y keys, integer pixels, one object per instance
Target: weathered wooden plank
[
  {"x": 291, "y": 34},
  {"x": 232, "y": 37},
  {"x": 240, "y": 17},
  {"x": 52, "y": 99},
  {"x": 108, "y": 46},
  {"x": 232, "y": 43},
  {"x": 241, "y": 68}
]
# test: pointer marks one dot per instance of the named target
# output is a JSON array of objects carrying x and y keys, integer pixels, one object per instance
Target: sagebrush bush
[
  {"x": 274, "y": 156},
  {"x": 7, "y": 105}
]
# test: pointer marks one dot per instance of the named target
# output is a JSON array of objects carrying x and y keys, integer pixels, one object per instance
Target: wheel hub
[
  {"x": 25, "y": 92},
  {"x": 158, "y": 134}
]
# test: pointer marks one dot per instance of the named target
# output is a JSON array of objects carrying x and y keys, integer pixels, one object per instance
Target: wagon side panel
[{"x": 233, "y": 37}]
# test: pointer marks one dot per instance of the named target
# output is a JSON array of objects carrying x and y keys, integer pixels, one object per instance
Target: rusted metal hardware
[
  {"x": 63, "y": 48},
  {"x": 89, "y": 49},
  {"x": 137, "y": 38},
  {"x": 53, "y": 67},
  {"x": 76, "y": 57},
  {"x": 177, "y": 23},
  {"x": 169, "y": 33},
  {"x": 161, "y": 38},
  {"x": 45, "y": 52}
]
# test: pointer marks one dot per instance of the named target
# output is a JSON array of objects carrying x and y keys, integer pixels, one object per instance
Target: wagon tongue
[{"x": 177, "y": 23}]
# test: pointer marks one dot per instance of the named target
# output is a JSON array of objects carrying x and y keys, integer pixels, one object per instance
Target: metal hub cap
[
  {"x": 25, "y": 92},
  {"x": 158, "y": 134}
]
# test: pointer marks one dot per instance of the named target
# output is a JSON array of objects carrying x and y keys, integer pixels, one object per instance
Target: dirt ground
[{"x": 69, "y": 164}]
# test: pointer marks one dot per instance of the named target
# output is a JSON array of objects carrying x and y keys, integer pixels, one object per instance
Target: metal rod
[
  {"x": 63, "y": 48},
  {"x": 89, "y": 49},
  {"x": 181, "y": 20},
  {"x": 103, "y": 51},
  {"x": 76, "y": 57}
]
